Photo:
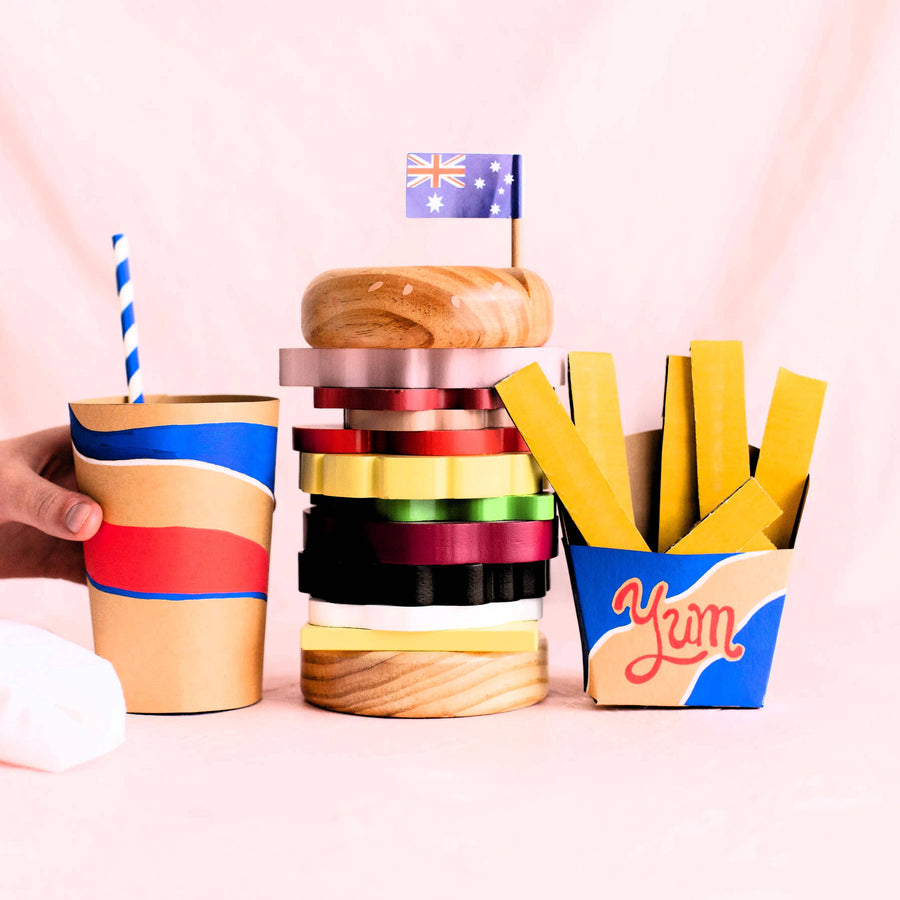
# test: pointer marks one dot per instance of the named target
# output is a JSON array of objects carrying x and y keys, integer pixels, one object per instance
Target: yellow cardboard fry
[
  {"x": 787, "y": 447},
  {"x": 594, "y": 398},
  {"x": 732, "y": 523},
  {"x": 758, "y": 542},
  {"x": 516, "y": 636},
  {"x": 678, "y": 509},
  {"x": 723, "y": 459},
  {"x": 566, "y": 461}
]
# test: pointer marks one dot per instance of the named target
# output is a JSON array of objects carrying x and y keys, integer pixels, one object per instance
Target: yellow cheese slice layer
[
  {"x": 419, "y": 477},
  {"x": 594, "y": 398},
  {"x": 566, "y": 461},
  {"x": 733, "y": 523},
  {"x": 720, "y": 417},
  {"x": 678, "y": 509},
  {"x": 514, "y": 637},
  {"x": 787, "y": 447}
]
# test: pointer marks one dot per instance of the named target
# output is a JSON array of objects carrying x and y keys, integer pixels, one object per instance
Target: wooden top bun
[{"x": 427, "y": 306}]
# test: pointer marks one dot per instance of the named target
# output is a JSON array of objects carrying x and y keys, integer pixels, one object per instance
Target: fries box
[{"x": 661, "y": 629}]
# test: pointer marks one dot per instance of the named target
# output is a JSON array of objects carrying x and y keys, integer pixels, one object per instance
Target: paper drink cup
[
  {"x": 661, "y": 629},
  {"x": 178, "y": 572}
]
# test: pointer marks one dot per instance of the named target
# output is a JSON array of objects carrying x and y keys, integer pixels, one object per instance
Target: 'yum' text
[{"x": 683, "y": 636}]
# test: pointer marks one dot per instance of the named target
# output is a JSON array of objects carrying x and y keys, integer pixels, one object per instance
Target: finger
[
  {"x": 26, "y": 552},
  {"x": 66, "y": 561},
  {"x": 66, "y": 479},
  {"x": 48, "y": 452},
  {"x": 52, "y": 509},
  {"x": 56, "y": 451},
  {"x": 41, "y": 447}
]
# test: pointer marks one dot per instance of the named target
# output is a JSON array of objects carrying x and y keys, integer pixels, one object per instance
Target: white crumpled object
[{"x": 60, "y": 705}]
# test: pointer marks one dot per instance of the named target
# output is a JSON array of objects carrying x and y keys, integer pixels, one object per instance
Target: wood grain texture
[
  {"x": 427, "y": 306},
  {"x": 423, "y": 685}
]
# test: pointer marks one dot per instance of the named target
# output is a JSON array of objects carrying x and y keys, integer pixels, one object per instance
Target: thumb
[{"x": 52, "y": 509}]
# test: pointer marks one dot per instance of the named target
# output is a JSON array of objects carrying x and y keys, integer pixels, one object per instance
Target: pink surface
[{"x": 692, "y": 170}]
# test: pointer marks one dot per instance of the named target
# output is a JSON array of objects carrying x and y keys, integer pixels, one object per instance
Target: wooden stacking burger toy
[{"x": 426, "y": 549}]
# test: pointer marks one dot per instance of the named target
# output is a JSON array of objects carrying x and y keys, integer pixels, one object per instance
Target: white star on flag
[
  {"x": 495, "y": 166},
  {"x": 479, "y": 183},
  {"x": 508, "y": 179},
  {"x": 435, "y": 203},
  {"x": 501, "y": 190},
  {"x": 495, "y": 208}
]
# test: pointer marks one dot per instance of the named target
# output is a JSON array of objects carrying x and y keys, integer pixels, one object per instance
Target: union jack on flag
[
  {"x": 463, "y": 185},
  {"x": 435, "y": 169}
]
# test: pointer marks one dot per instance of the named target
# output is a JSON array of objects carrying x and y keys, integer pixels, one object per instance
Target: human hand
[{"x": 43, "y": 518}]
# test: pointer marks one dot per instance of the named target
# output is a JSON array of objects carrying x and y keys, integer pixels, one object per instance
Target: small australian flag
[{"x": 463, "y": 186}]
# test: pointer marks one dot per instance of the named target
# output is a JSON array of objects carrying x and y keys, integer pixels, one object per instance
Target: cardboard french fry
[
  {"x": 720, "y": 417},
  {"x": 678, "y": 506},
  {"x": 732, "y": 524},
  {"x": 566, "y": 460},
  {"x": 594, "y": 399},
  {"x": 758, "y": 542},
  {"x": 787, "y": 446}
]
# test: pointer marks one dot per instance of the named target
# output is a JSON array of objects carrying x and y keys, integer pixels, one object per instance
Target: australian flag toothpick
[{"x": 463, "y": 185}]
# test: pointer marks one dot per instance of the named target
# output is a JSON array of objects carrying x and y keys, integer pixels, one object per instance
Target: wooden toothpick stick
[{"x": 516, "y": 243}]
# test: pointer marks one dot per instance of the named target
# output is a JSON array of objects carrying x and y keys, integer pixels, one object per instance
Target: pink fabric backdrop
[{"x": 692, "y": 170}]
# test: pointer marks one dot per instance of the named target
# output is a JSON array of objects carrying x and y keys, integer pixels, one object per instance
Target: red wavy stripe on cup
[{"x": 176, "y": 560}]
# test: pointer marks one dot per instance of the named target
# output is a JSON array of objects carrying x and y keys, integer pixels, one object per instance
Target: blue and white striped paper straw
[{"x": 129, "y": 325}]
